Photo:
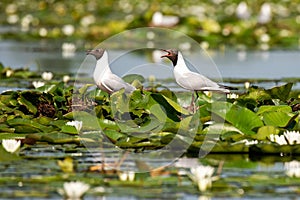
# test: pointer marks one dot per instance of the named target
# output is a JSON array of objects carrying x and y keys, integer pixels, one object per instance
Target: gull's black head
[
  {"x": 172, "y": 54},
  {"x": 98, "y": 53}
]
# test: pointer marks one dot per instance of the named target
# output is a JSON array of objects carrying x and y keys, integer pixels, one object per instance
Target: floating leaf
[
  {"x": 176, "y": 106},
  {"x": 27, "y": 125},
  {"x": 279, "y": 119},
  {"x": 69, "y": 129},
  {"x": 59, "y": 138},
  {"x": 169, "y": 110},
  {"x": 240, "y": 117},
  {"x": 30, "y": 107},
  {"x": 113, "y": 135},
  {"x": 281, "y": 92},
  {"x": 264, "y": 132},
  {"x": 269, "y": 108}
]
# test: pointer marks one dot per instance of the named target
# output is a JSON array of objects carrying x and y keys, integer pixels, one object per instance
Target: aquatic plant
[
  {"x": 202, "y": 176},
  {"x": 126, "y": 175},
  {"x": 11, "y": 145},
  {"x": 292, "y": 168},
  {"x": 75, "y": 190},
  {"x": 76, "y": 124}
]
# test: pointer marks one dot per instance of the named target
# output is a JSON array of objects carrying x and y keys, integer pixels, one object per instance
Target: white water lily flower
[
  {"x": 248, "y": 142},
  {"x": 66, "y": 78},
  {"x": 278, "y": 139},
  {"x": 68, "y": 29},
  {"x": 242, "y": 10},
  {"x": 202, "y": 175},
  {"x": 265, "y": 14},
  {"x": 292, "y": 169},
  {"x": 75, "y": 189},
  {"x": 126, "y": 175},
  {"x": 37, "y": 84},
  {"x": 11, "y": 145},
  {"x": 9, "y": 73},
  {"x": 232, "y": 96},
  {"x": 76, "y": 124},
  {"x": 293, "y": 137},
  {"x": 47, "y": 76},
  {"x": 247, "y": 85}
]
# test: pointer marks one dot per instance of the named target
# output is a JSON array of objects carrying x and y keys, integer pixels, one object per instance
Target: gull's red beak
[{"x": 167, "y": 55}]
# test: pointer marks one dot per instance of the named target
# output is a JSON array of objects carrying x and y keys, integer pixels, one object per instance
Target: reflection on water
[{"x": 241, "y": 176}]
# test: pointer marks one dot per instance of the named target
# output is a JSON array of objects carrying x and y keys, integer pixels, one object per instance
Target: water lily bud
[
  {"x": 247, "y": 85},
  {"x": 47, "y": 76}
]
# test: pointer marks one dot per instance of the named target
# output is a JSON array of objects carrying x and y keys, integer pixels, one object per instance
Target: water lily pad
[
  {"x": 240, "y": 117},
  {"x": 114, "y": 136},
  {"x": 281, "y": 92},
  {"x": 26, "y": 125},
  {"x": 59, "y": 138},
  {"x": 69, "y": 129},
  {"x": 30, "y": 107},
  {"x": 264, "y": 132},
  {"x": 270, "y": 108},
  {"x": 279, "y": 119}
]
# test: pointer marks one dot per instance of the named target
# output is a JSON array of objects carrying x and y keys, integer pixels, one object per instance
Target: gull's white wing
[
  {"x": 114, "y": 83},
  {"x": 195, "y": 81}
]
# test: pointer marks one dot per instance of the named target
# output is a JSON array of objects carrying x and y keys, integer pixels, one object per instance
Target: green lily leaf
[
  {"x": 89, "y": 121},
  {"x": 176, "y": 106},
  {"x": 6, "y": 129},
  {"x": 108, "y": 124},
  {"x": 30, "y": 107},
  {"x": 242, "y": 118},
  {"x": 264, "y": 132},
  {"x": 59, "y": 138},
  {"x": 130, "y": 127},
  {"x": 270, "y": 108},
  {"x": 8, "y": 157},
  {"x": 163, "y": 107},
  {"x": 279, "y": 119},
  {"x": 281, "y": 92},
  {"x": 27, "y": 125},
  {"x": 9, "y": 98},
  {"x": 163, "y": 137},
  {"x": 119, "y": 102},
  {"x": 114, "y": 136},
  {"x": 69, "y": 129}
]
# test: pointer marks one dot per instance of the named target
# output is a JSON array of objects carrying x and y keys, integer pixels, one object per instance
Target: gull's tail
[{"x": 228, "y": 87}]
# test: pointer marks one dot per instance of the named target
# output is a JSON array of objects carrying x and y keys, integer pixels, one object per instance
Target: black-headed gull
[
  {"x": 103, "y": 76},
  {"x": 191, "y": 80}
]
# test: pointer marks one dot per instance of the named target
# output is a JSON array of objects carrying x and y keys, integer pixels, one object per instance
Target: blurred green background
[{"x": 219, "y": 23}]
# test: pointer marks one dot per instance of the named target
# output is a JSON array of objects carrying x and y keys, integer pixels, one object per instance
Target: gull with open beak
[
  {"x": 103, "y": 76},
  {"x": 191, "y": 80}
]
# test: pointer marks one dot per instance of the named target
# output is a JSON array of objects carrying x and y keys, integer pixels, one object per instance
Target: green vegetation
[
  {"x": 149, "y": 119},
  {"x": 212, "y": 23}
]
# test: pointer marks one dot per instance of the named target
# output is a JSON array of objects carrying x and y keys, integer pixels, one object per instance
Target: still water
[
  {"x": 36, "y": 174},
  {"x": 229, "y": 64}
]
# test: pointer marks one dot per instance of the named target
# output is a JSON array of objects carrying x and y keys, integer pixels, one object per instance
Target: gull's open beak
[{"x": 169, "y": 53}]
